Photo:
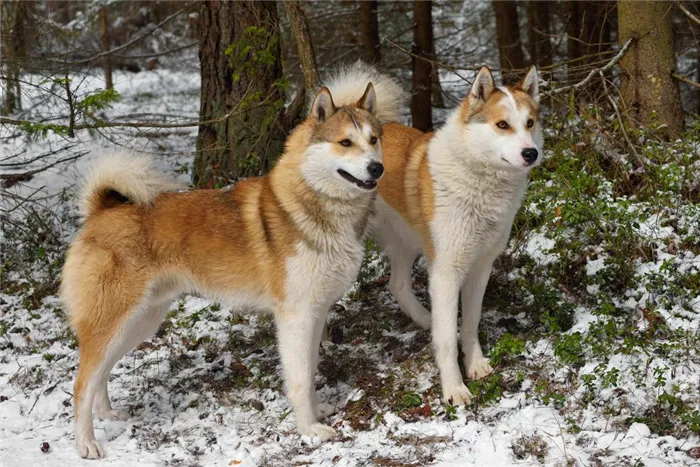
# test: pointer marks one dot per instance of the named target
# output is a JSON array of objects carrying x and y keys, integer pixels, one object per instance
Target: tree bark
[
  {"x": 539, "y": 44},
  {"x": 104, "y": 33},
  {"x": 649, "y": 92},
  {"x": 508, "y": 33},
  {"x": 421, "y": 111},
  {"x": 438, "y": 101},
  {"x": 369, "y": 31},
  {"x": 240, "y": 71},
  {"x": 302, "y": 37}
]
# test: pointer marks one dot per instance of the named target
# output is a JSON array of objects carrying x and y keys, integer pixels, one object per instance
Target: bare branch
[
  {"x": 128, "y": 44},
  {"x": 692, "y": 17},
  {"x": 685, "y": 80},
  {"x": 625, "y": 48},
  {"x": 12, "y": 178}
]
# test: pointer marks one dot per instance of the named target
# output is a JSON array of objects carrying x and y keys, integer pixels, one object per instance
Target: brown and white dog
[
  {"x": 452, "y": 195},
  {"x": 291, "y": 242}
]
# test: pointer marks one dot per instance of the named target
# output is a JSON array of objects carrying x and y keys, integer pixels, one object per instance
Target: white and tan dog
[
  {"x": 291, "y": 242},
  {"x": 452, "y": 195}
]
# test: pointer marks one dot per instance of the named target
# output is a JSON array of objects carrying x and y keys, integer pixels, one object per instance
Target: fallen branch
[
  {"x": 11, "y": 179},
  {"x": 625, "y": 48}
]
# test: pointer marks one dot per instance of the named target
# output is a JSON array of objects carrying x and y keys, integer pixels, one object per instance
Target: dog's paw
[
  {"x": 457, "y": 395},
  {"x": 112, "y": 414},
  {"x": 324, "y": 410},
  {"x": 318, "y": 430},
  {"x": 478, "y": 368},
  {"x": 423, "y": 320},
  {"x": 89, "y": 449}
]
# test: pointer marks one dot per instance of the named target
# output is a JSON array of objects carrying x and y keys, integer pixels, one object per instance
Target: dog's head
[
  {"x": 500, "y": 124},
  {"x": 344, "y": 156}
]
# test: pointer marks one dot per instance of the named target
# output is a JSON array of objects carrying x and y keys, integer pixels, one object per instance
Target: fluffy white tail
[
  {"x": 120, "y": 178},
  {"x": 348, "y": 83}
]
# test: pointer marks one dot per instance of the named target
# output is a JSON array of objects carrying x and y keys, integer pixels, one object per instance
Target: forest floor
[{"x": 591, "y": 320}]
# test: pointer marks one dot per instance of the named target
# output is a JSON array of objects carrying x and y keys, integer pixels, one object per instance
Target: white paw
[
  {"x": 89, "y": 449},
  {"x": 423, "y": 320},
  {"x": 112, "y": 414},
  {"x": 323, "y": 432},
  {"x": 324, "y": 410},
  {"x": 456, "y": 395},
  {"x": 478, "y": 368}
]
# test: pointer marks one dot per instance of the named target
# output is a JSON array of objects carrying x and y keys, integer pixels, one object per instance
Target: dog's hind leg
[
  {"x": 146, "y": 328},
  {"x": 473, "y": 290},
  {"x": 401, "y": 285},
  {"x": 100, "y": 349}
]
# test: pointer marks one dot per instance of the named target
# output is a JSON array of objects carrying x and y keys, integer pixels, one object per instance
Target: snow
[{"x": 171, "y": 384}]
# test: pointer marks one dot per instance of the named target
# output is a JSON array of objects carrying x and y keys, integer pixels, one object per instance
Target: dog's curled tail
[
  {"x": 348, "y": 83},
  {"x": 121, "y": 178}
]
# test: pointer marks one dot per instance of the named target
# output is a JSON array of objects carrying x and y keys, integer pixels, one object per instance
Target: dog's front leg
[
  {"x": 299, "y": 335},
  {"x": 445, "y": 282},
  {"x": 473, "y": 290}
]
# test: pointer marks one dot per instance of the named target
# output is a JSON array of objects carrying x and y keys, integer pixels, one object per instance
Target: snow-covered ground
[{"x": 207, "y": 389}]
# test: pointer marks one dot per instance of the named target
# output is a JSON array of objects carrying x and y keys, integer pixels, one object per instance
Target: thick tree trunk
[
  {"x": 508, "y": 33},
  {"x": 539, "y": 44},
  {"x": 241, "y": 74},
  {"x": 650, "y": 93},
  {"x": 104, "y": 33},
  {"x": 421, "y": 111},
  {"x": 369, "y": 31},
  {"x": 302, "y": 37}
]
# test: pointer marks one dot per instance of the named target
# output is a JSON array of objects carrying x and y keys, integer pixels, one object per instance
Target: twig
[
  {"x": 160, "y": 54},
  {"x": 619, "y": 119},
  {"x": 625, "y": 48},
  {"x": 694, "y": 18},
  {"x": 685, "y": 80}
]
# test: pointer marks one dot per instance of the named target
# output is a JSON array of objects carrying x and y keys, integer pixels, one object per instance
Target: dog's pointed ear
[
  {"x": 368, "y": 101},
  {"x": 323, "y": 106},
  {"x": 530, "y": 84},
  {"x": 483, "y": 85}
]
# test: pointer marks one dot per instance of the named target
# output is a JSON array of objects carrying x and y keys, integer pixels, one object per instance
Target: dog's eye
[
  {"x": 503, "y": 125},
  {"x": 373, "y": 140},
  {"x": 530, "y": 123},
  {"x": 346, "y": 142}
]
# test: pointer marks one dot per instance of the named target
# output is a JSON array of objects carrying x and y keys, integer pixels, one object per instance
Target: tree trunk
[
  {"x": 539, "y": 44},
  {"x": 508, "y": 33},
  {"x": 648, "y": 90},
  {"x": 369, "y": 27},
  {"x": 421, "y": 111},
  {"x": 302, "y": 37},
  {"x": 438, "y": 101},
  {"x": 104, "y": 33},
  {"x": 241, "y": 73},
  {"x": 15, "y": 17}
]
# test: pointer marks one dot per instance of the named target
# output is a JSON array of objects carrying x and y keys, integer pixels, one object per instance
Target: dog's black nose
[
  {"x": 530, "y": 155},
  {"x": 375, "y": 169}
]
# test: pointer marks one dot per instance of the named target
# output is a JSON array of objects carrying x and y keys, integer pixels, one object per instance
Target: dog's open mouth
[{"x": 365, "y": 184}]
